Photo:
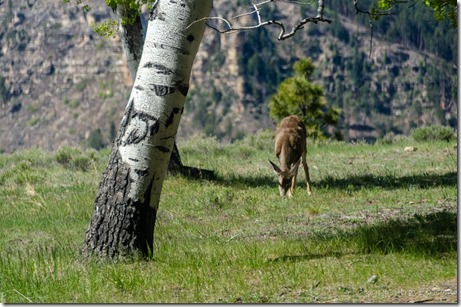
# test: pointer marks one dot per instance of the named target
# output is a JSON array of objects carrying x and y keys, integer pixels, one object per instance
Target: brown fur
[{"x": 290, "y": 149}]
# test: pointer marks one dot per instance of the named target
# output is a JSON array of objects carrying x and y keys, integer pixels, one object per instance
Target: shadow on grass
[
  {"x": 430, "y": 235},
  {"x": 426, "y": 235},
  {"x": 295, "y": 258},
  {"x": 250, "y": 181},
  {"x": 390, "y": 182},
  {"x": 423, "y": 181},
  {"x": 238, "y": 181}
]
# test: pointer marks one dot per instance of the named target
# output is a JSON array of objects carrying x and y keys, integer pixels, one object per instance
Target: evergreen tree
[{"x": 297, "y": 95}]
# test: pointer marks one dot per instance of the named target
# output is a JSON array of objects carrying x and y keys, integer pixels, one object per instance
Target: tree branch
[
  {"x": 256, "y": 11},
  {"x": 371, "y": 15}
]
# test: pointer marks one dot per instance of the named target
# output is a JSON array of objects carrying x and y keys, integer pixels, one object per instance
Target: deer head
[{"x": 285, "y": 178}]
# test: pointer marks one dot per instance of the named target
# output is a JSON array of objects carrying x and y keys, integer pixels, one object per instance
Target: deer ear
[
  {"x": 275, "y": 168},
  {"x": 294, "y": 168}
]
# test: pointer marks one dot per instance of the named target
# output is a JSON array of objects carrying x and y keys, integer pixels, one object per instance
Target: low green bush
[
  {"x": 433, "y": 133},
  {"x": 65, "y": 155},
  {"x": 73, "y": 158}
]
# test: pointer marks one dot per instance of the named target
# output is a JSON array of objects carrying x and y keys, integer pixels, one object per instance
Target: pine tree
[{"x": 297, "y": 95}]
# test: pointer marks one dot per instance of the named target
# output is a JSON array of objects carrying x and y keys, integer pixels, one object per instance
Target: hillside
[{"x": 60, "y": 84}]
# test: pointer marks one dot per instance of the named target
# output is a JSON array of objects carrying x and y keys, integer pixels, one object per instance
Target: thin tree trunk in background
[
  {"x": 131, "y": 35},
  {"x": 126, "y": 204}
]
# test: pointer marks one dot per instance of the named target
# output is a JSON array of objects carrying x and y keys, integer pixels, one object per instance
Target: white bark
[{"x": 157, "y": 99}]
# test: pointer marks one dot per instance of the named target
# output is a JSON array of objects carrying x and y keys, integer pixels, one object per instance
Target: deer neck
[{"x": 285, "y": 155}]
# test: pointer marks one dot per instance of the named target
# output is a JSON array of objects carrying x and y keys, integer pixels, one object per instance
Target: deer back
[{"x": 290, "y": 141}]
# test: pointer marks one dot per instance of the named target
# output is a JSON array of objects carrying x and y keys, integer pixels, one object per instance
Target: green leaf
[{"x": 106, "y": 29}]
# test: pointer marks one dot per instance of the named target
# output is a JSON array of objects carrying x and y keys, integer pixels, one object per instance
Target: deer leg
[
  {"x": 306, "y": 171},
  {"x": 293, "y": 182}
]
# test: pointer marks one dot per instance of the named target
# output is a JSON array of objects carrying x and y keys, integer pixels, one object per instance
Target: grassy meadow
[{"x": 380, "y": 226}]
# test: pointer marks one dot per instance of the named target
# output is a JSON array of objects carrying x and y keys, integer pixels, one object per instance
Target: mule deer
[{"x": 290, "y": 148}]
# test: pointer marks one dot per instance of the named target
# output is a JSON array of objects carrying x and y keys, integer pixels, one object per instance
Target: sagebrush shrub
[{"x": 433, "y": 133}]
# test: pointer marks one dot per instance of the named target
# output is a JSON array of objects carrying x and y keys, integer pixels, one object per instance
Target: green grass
[{"x": 375, "y": 210}]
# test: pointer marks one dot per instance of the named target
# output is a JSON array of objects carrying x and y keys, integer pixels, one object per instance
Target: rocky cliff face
[{"x": 61, "y": 84}]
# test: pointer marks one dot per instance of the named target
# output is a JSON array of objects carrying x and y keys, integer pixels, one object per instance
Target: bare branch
[
  {"x": 376, "y": 13},
  {"x": 257, "y": 13},
  {"x": 371, "y": 15},
  {"x": 210, "y": 18},
  {"x": 260, "y": 23}
]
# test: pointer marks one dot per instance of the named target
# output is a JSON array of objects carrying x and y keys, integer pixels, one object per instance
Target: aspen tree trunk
[
  {"x": 132, "y": 38},
  {"x": 126, "y": 204}
]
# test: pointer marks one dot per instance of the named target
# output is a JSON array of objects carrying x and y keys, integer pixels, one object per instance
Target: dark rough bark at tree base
[
  {"x": 121, "y": 224},
  {"x": 118, "y": 230},
  {"x": 124, "y": 228},
  {"x": 133, "y": 224}
]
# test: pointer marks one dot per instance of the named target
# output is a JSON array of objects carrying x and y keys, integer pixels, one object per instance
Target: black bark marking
[
  {"x": 142, "y": 172},
  {"x": 162, "y": 148},
  {"x": 170, "y": 118},
  {"x": 180, "y": 50},
  {"x": 158, "y": 46},
  {"x": 161, "y": 69},
  {"x": 138, "y": 134},
  {"x": 129, "y": 109},
  {"x": 153, "y": 13},
  {"x": 144, "y": 116},
  {"x": 161, "y": 90},
  {"x": 139, "y": 87},
  {"x": 154, "y": 128},
  {"x": 148, "y": 65},
  {"x": 125, "y": 120},
  {"x": 183, "y": 89},
  {"x": 190, "y": 38},
  {"x": 133, "y": 159}
]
